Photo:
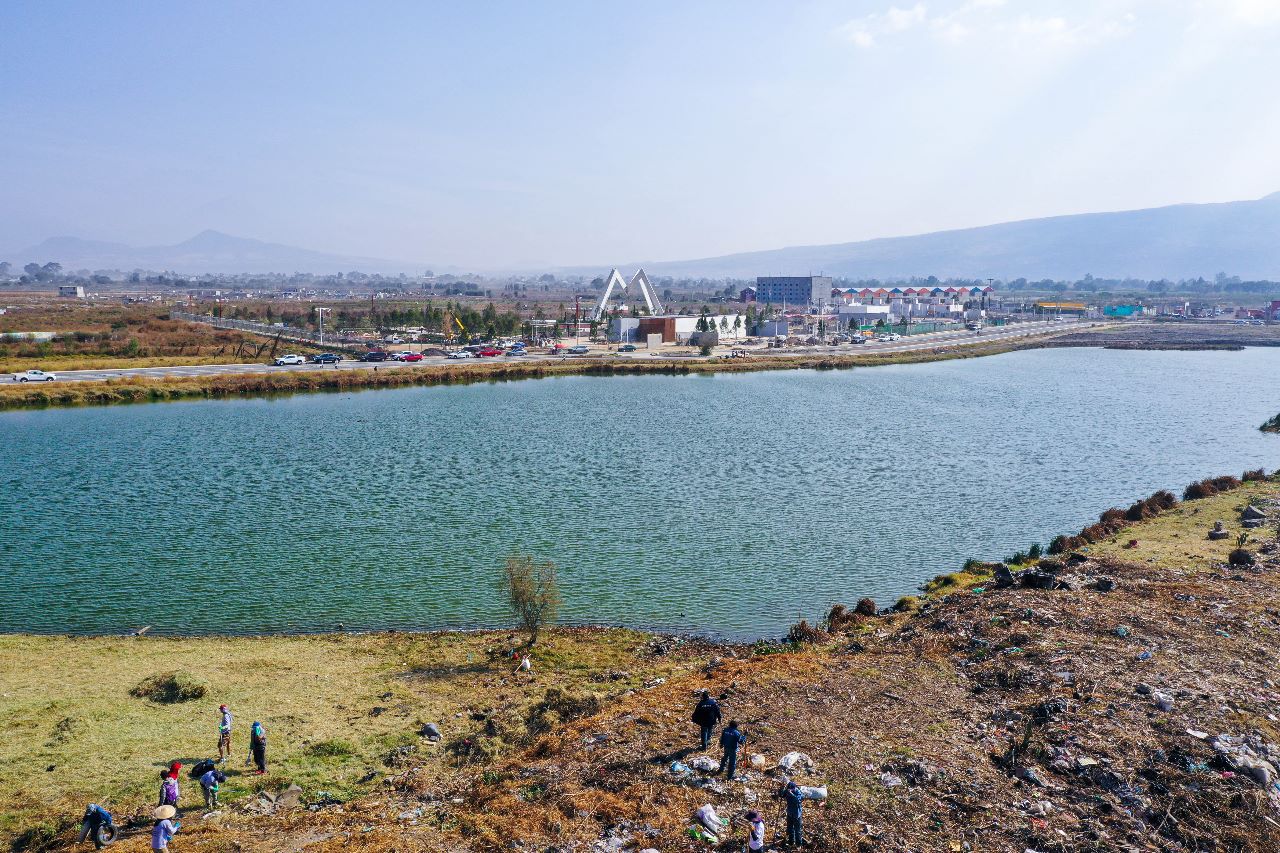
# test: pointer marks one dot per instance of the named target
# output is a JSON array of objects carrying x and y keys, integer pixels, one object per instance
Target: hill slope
[
  {"x": 207, "y": 252},
  {"x": 1181, "y": 241}
]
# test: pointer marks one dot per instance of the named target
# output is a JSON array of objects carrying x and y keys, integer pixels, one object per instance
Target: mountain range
[
  {"x": 207, "y": 252},
  {"x": 1179, "y": 241}
]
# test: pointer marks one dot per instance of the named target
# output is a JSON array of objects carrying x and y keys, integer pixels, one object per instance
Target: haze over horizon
[{"x": 511, "y": 136}]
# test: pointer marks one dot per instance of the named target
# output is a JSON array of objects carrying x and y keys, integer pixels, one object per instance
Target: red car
[
  {"x": 488, "y": 352},
  {"x": 411, "y": 356}
]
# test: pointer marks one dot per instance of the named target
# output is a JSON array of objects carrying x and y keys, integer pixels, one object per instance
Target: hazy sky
[{"x": 545, "y": 133}]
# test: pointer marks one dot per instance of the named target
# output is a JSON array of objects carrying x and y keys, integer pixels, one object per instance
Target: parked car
[
  {"x": 33, "y": 376},
  {"x": 374, "y": 355},
  {"x": 291, "y": 358},
  {"x": 326, "y": 358},
  {"x": 627, "y": 348},
  {"x": 580, "y": 349},
  {"x": 393, "y": 340},
  {"x": 488, "y": 352},
  {"x": 462, "y": 353},
  {"x": 402, "y": 356},
  {"x": 517, "y": 351},
  {"x": 409, "y": 356}
]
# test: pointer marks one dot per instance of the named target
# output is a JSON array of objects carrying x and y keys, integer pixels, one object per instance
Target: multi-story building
[{"x": 798, "y": 290}]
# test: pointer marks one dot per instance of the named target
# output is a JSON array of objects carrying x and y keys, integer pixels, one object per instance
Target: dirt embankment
[
  {"x": 44, "y": 395},
  {"x": 1173, "y": 336},
  {"x": 1119, "y": 696}
]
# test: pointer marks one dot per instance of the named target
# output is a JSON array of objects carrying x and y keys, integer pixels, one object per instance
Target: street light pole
[{"x": 321, "y": 311}]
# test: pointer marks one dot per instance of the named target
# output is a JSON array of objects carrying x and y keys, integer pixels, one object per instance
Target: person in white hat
[{"x": 165, "y": 827}]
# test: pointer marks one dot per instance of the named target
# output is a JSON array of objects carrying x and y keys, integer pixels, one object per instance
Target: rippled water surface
[{"x": 728, "y": 504}]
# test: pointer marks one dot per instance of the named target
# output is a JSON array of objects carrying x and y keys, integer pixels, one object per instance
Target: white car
[
  {"x": 462, "y": 353},
  {"x": 33, "y": 376},
  {"x": 289, "y": 359}
]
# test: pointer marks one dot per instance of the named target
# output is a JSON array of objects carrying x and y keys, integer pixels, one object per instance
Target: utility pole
[{"x": 320, "y": 323}]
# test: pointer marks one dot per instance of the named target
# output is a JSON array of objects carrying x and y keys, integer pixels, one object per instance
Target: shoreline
[
  {"x": 346, "y": 710},
  {"x": 231, "y": 386}
]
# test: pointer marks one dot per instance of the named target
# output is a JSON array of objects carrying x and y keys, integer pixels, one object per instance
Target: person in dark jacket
[
  {"x": 707, "y": 716},
  {"x": 258, "y": 747},
  {"x": 795, "y": 809},
  {"x": 97, "y": 826},
  {"x": 730, "y": 740}
]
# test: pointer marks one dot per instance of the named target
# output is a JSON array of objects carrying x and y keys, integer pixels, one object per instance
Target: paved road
[{"x": 962, "y": 337}]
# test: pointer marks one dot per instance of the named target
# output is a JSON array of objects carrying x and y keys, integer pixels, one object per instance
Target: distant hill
[
  {"x": 1181, "y": 241},
  {"x": 207, "y": 252}
]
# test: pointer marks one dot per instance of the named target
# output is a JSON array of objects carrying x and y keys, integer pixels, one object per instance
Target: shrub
[
  {"x": 840, "y": 618},
  {"x": 331, "y": 749},
  {"x": 1225, "y": 484},
  {"x": 803, "y": 632},
  {"x": 1034, "y": 551},
  {"x": 1115, "y": 515},
  {"x": 1196, "y": 491},
  {"x": 533, "y": 592},
  {"x": 169, "y": 687},
  {"x": 1164, "y": 499},
  {"x": 1255, "y": 475},
  {"x": 1271, "y": 425},
  {"x": 907, "y": 604}
]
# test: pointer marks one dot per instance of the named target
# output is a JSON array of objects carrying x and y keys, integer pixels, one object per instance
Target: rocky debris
[
  {"x": 1218, "y": 532},
  {"x": 1003, "y": 576},
  {"x": 400, "y": 756},
  {"x": 289, "y": 798}
]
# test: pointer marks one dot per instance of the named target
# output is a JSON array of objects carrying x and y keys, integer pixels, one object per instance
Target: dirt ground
[
  {"x": 1119, "y": 697},
  {"x": 1173, "y": 335}
]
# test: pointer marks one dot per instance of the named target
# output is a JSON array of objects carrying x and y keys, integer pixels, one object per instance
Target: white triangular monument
[{"x": 639, "y": 280}]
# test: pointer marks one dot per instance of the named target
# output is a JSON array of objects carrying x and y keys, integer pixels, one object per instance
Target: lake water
[{"x": 730, "y": 504}]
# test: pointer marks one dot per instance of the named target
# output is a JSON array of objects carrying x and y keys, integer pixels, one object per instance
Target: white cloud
[
  {"x": 1258, "y": 13},
  {"x": 977, "y": 17}
]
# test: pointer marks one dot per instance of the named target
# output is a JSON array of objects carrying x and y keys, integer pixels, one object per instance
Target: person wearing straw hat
[{"x": 166, "y": 827}]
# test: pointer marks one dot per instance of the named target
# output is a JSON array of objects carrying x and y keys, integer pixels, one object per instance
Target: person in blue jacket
[
  {"x": 795, "y": 811},
  {"x": 97, "y": 826},
  {"x": 707, "y": 715},
  {"x": 730, "y": 740}
]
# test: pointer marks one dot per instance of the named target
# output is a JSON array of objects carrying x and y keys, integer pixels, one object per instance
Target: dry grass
[{"x": 74, "y": 734}]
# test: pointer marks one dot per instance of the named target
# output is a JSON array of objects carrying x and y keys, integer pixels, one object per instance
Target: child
[
  {"x": 755, "y": 831},
  {"x": 169, "y": 792},
  {"x": 209, "y": 783},
  {"x": 165, "y": 827}
]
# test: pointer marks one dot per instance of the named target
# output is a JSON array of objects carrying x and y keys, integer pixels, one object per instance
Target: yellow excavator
[{"x": 449, "y": 323}]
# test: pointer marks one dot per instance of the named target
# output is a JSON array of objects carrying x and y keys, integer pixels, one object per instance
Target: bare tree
[{"x": 533, "y": 592}]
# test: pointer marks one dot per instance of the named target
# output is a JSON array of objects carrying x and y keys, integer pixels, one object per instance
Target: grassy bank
[
  {"x": 1068, "y": 718},
  {"x": 334, "y": 707},
  {"x": 227, "y": 386}
]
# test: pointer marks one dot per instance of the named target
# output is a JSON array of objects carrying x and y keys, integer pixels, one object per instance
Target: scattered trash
[
  {"x": 703, "y": 764},
  {"x": 1122, "y": 631},
  {"x": 431, "y": 732},
  {"x": 793, "y": 760},
  {"x": 757, "y": 761},
  {"x": 679, "y": 769},
  {"x": 1145, "y": 655},
  {"x": 813, "y": 792},
  {"x": 889, "y": 780},
  {"x": 1163, "y": 701},
  {"x": 1198, "y": 735}
]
